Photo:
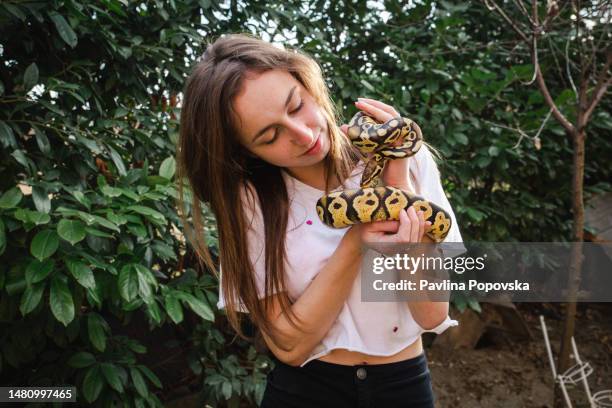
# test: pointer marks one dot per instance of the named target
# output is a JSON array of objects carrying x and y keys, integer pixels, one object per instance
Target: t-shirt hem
[
  {"x": 362, "y": 350},
  {"x": 448, "y": 322}
]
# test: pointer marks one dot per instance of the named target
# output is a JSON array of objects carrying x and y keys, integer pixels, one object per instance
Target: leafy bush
[{"x": 89, "y": 234}]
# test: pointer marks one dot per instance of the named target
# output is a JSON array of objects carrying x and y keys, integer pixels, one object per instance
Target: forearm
[
  {"x": 429, "y": 314},
  {"x": 319, "y": 305}
]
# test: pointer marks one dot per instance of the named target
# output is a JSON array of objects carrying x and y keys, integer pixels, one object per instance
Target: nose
[{"x": 301, "y": 134}]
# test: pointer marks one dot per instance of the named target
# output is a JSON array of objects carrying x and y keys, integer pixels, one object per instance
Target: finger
[
  {"x": 381, "y": 105},
  {"x": 407, "y": 232},
  {"x": 414, "y": 225},
  {"x": 426, "y": 238},
  {"x": 421, "y": 225},
  {"x": 382, "y": 226},
  {"x": 403, "y": 232},
  {"x": 377, "y": 113},
  {"x": 344, "y": 129}
]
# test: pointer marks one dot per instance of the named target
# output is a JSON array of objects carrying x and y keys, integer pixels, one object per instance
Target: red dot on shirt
[
  {"x": 394, "y": 329},
  {"x": 309, "y": 222}
]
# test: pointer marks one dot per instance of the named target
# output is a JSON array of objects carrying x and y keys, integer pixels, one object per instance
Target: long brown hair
[{"x": 216, "y": 166}]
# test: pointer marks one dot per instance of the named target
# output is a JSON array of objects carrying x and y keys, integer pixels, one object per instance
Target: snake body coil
[{"x": 372, "y": 202}]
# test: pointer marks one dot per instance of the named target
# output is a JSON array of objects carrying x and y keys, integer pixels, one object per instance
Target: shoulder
[{"x": 423, "y": 161}]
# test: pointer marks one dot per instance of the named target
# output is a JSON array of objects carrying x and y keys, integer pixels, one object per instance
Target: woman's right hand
[{"x": 410, "y": 228}]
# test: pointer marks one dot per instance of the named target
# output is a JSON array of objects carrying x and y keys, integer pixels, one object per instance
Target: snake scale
[{"x": 375, "y": 202}]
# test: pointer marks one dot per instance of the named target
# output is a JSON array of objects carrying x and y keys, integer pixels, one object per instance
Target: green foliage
[{"x": 88, "y": 125}]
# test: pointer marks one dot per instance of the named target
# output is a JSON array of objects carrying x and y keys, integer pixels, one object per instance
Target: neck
[{"x": 313, "y": 175}]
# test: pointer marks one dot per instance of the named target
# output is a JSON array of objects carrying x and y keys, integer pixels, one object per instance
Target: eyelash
[{"x": 295, "y": 110}]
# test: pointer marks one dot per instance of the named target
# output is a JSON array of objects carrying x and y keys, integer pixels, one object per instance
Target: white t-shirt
[{"x": 374, "y": 328}]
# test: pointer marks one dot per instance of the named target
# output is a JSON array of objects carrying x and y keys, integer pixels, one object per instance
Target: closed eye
[{"x": 275, "y": 132}]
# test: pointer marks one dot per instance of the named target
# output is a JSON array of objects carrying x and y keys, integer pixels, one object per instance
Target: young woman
[{"x": 260, "y": 144}]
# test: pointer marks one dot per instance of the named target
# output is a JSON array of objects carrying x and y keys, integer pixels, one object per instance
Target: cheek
[{"x": 278, "y": 154}]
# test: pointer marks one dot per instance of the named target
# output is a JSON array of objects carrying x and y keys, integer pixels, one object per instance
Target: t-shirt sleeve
[
  {"x": 426, "y": 178},
  {"x": 255, "y": 236}
]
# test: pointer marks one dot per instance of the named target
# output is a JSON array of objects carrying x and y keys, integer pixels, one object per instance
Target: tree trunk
[{"x": 563, "y": 362}]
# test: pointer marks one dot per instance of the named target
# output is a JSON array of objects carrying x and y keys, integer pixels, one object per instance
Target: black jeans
[{"x": 319, "y": 384}]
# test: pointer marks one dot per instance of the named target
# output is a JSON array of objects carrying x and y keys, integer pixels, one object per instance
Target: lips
[{"x": 314, "y": 145}]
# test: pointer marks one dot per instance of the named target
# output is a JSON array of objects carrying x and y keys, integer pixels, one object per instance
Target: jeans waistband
[{"x": 412, "y": 363}]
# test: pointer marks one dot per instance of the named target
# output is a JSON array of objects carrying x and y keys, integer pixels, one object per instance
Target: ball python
[{"x": 373, "y": 201}]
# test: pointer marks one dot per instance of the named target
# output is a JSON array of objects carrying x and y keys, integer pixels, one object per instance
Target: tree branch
[
  {"x": 600, "y": 88},
  {"x": 523, "y": 10},
  {"x": 505, "y": 17},
  {"x": 540, "y": 78}
]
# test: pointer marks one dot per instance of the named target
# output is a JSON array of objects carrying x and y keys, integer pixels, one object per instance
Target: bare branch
[
  {"x": 534, "y": 54},
  {"x": 567, "y": 67},
  {"x": 549, "y": 100},
  {"x": 600, "y": 88},
  {"x": 505, "y": 17},
  {"x": 523, "y": 10}
]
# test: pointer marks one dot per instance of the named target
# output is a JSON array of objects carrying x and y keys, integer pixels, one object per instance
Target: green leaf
[
  {"x": 147, "y": 211},
  {"x": 167, "y": 168},
  {"x": 145, "y": 280},
  {"x": 368, "y": 85},
  {"x": 461, "y": 138},
  {"x": 7, "y": 138},
  {"x": 41, "y": 199},
  {"x": 30, "y": 77},
  {"x": 226, "y": 390},
  {"x": 494, "y": 151},
  {"x": 31, "y": 297},
  {"x": 173, "y": 308},
  {"x": 92, "y": 383},
  {"x": 110, "y": 191},
  {"x": 112, "y": 376},
  {"x": 2, "y": 239},
  {"x": 139, "y": 382},
  {"x": 199, "y": 307},
  {"x": 457, "y": 113},
  {"x": 44, "y": 244},
  {"x": 474, "y": 305},
  {"x": 81, "y": 359},
  {"x": 72, "y": 231},
  {"x": 150, "y": 375},
  {"x": 37, "y": 271},
  {"x": 137, "y": 347},
  {"x": 34, "y": 217},
  {"x": 153, "y": 311},
  {"x": 61, "y": 302},
  {"x": 64, "y": 29},
  {"x": 116, "y": 158},
  {"x": 11, "y": 198},
  {"x": 98, "y": 233},
  {"x": 96, "y": 328},
  {"x": 82, "y": 273},
  {"x": 483, "y": 161},
  {"x": 38, "y": 218},
  {"x": 128, "y": 282},
  {"x": 475, "y": 214},
  {"x": 14, "y": 10},
  {"x": 96, "y": 219},
  {"x": 42, "y": 141}
]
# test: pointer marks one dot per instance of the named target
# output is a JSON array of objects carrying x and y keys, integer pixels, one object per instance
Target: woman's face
[{"x": 280, "y": 122}]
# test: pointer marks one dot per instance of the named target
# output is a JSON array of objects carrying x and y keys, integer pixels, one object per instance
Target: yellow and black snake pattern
[{"x": 373, "y": 202}]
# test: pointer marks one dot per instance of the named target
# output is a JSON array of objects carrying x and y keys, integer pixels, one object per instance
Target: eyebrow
[{"x": 264, "y": 130}]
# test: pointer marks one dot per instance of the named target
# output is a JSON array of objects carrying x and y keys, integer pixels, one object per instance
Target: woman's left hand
[{"x": 396, "y": 171}]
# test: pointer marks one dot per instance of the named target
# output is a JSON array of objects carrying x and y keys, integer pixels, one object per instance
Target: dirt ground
[{"x": 516, "y": 372}]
